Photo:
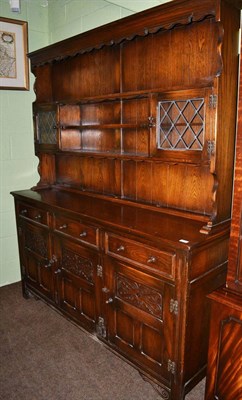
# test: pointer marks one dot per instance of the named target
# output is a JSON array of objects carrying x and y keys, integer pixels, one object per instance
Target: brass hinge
[
  {"x": 99, "y": 271},
  {"x": 151, "y": 122},
  {"x": 101, "y": 328},
  {"x": 174, "y": 306},
  {"x": 213, "y": 101},
  {"x": 171, "y": 367},
  {"x": 51, "y": 261},
  {"x": 211, "y": 147}
]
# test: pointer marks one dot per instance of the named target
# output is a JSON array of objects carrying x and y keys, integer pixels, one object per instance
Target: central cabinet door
[
  {"x": 140, "y": 324},
  {"x": 76, "y": 281}
]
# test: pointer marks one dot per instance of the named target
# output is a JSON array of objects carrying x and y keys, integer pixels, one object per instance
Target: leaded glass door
[
  {"x": 46, "y": 126},
  {"x": 185, "y": 126}
]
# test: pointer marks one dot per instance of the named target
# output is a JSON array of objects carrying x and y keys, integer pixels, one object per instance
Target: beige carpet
[{"x": 45, "y": 357}]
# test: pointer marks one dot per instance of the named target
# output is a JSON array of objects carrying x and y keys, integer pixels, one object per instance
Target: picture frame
[{"x": 14, "y": 66}]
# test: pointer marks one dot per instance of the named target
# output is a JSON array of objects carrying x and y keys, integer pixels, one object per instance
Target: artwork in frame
[{"x": 14, "y": 69}]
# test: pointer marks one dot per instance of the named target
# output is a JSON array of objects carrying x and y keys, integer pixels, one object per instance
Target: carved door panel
[
  {"x": 76, "y": 284},
  {"x": 36, "y": 257},
  {"x": 140, "y": 324}
]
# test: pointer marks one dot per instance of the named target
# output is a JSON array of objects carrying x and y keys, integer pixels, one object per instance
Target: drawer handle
[
  {"x": 151, "y": 260},
  {"x": 23, "y": 212},
  {"x": 120, "y": 248},
  {"x": 64, "y": 226},
  {"x": 83, "y": 234},
  {"x": 38, "y": 216},
  {"x": 108, "y": 301}
]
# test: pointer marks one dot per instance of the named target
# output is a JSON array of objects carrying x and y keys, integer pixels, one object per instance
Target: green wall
[{"x": 18, "y": 165}]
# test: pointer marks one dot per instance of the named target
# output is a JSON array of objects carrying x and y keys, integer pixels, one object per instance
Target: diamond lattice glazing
[{"x": 181, "y": 124}]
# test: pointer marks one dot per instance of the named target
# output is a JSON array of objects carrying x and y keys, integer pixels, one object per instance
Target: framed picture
[{"x": 14, "y": 69}]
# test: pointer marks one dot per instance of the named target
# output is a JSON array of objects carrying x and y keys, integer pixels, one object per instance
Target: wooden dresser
[
  {"x": 127, "y": 230},
  {"x": 224, "y": 376}
]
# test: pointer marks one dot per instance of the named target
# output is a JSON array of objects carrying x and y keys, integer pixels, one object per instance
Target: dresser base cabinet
[
  {"x": 224, "y": 373},
  {"x": 145, "y": 296}
]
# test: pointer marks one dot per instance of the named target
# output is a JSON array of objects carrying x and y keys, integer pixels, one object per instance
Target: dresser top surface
[{"x": 183, "y": 232}]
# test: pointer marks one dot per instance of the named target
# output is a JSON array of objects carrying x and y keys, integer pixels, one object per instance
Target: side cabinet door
[
  {"x": 37, "y": 266},
  {"x": 76, "y": 281},
  {"x": 140, "y": 324}
]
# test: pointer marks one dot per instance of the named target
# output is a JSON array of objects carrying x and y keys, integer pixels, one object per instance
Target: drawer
[
  {"x": 148, "y": 257},
  {"x": 33, "y": 213},
  {"x": 76, "y": 229}
]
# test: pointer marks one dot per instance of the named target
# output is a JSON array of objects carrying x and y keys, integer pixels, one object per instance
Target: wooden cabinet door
[
  {"x": 224, "y": 371},
  {"x": 139, "y": 322},
  {"x": 46, "y": 127},
  {"x": 36, "y": 258},
  {"x": 185, "y": 125},
  {"x": 76, "y": 278}
]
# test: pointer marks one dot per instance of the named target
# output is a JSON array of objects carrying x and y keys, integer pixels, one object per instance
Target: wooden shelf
[
  {"x": 104, "y": 154},
  {"x": 105, "y": 126}
]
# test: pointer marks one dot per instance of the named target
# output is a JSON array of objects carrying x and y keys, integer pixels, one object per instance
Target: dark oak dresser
[
  {"x": 224, "y": 376},
  {"x": 127, "y": 230}
]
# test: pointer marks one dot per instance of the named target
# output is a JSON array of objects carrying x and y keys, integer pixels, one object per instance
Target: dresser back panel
[
  {"x": 138, "y": 64},
  {"x": 181, "y": 186}
]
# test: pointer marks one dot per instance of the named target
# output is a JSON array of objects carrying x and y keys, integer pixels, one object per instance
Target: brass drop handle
[
  {"x": 22, "y": 212},
  {"x": 64, "y": 226},
  {"x": 120, "y": 248},
  {"x": 83, "y": 234},
  {"x": 39, "y": 216},
  {"x": 110, "y": 300},
  {"x": 151, "y": 260},
  {"x": 58, "y": 271}
]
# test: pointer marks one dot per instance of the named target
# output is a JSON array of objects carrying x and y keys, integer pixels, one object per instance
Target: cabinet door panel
[
  {"x": 46, "y": 127},
  {"x": 77, "y": 281},
  {"x": 185, "y": 125},
  {"x": 36, "y": 240},
  {"x": 36, "y": 258},
  {"x": 31, "y": 268},
  {"x": 39, "y": 274},
  {"x": 140, "y": 324},
  {"x": 77, "y": 301},
  {"x": 224, "y": 372}
]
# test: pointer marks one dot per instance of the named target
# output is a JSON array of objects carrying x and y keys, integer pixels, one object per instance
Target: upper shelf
[
  {"x": 169, "y": 126},
  {"x": 137, "y": 94}
]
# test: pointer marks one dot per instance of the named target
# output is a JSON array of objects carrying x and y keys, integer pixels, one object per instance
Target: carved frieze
[
  {"x": 77, "y": 265},
  {"x": 139, "y": 295}
]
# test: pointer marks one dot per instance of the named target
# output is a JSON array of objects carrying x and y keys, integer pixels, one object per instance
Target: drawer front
[
  {"x": 33, "y": 213},
  {"x": 78, "y": 230},
  {"x": 148, "y": 257}
]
